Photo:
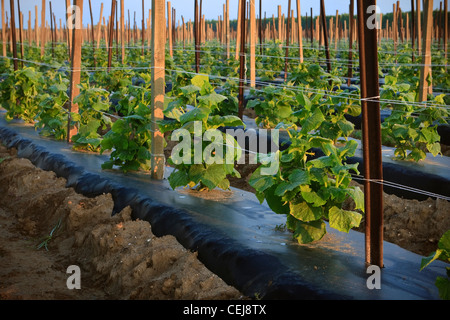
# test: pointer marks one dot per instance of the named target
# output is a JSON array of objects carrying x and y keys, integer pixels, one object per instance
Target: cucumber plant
[
  {"x": 203, "y": 147},
  {"x": 92, "y": 119},
  {"x": 443, "y": 253},
  {"x": 309, "y": 191},
  {"x": 130, "y": 136},
  {"x": 412, "y": 128}
]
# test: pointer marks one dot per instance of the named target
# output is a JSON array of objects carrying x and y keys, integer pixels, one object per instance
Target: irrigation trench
[{"x": 235, "y": 236}]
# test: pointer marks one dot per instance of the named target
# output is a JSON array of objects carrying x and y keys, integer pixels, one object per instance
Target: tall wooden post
[
  {"x": 419, "y": 27},
  {"x": 143, "y": 29},
  {"x": 3, "y": 29},
  {"x": 300, "y": 32},
  {"x": 287, "y": 42},
  {"x": 21, "y": 38},
  {"x": 413, "y": 30},
  {"x": 350, "y": 45},
  {"x": 69, "y": 29},
  {"x": 122, "y": 29},
  {"x": 13, "y": 32},
  {"x": 325, "y": 34},
  {"x": 371, "y": 130},
  {"x": 252, "y": 32},
  {"x": 43, "y": 28},
  {"x": 92, "y": 34},
  {"x": 238, "y": 30},
  {"x": 169, "y": 21},
  {"x": 111, "y": 33},
  {"x": 424, "y": 86},
  {"x": 242, "y": 60},
  {"x": 336, "y": 36},
  {"x": 196, "y": 37},
  {"x": 99, "y": 26},
  {"x": 158, "y": 85},
  {"x": 312, "y": 27},
  {"x": 75, "y": 67},
  {"x": 445, "y": 29}
]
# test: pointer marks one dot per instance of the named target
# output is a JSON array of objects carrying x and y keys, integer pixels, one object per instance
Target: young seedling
[{"x": 49, "y": 237}]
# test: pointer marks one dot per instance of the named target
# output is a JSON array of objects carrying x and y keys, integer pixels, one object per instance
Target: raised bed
[{"x": 235, "y": 235}]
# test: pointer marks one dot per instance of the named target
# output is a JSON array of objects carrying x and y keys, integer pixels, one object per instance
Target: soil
[{"x": 119, "y": 258}]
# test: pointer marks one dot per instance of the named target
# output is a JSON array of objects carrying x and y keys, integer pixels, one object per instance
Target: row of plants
[
  {"x": 313, "y": 120},
  {"x": 312, "y": 180}
]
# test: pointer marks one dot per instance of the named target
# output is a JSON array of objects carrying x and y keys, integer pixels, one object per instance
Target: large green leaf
[
  {"x": 313, "y": 122},
  {"x": 195, "y": 114},
  {"x": 307, "y": 232},
  {"x": 261, "y": 182},
  {"x": 304, "y": 211},
  {"x": 343, "y": 220}
]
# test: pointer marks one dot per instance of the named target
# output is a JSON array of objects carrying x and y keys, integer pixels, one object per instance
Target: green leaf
[
  {"x": 195, "y": 114},
  {"x": 296, "y": 178},
  {"x": 426, "y": 261},
  {"x": 313, "y": 122},
  {"x": 343, "y": 220},
  {"x": 120, "y": 126},
  {"x": 307, "y": 232},
  {"x": 313, "y": 198},
  {"x": 358, "y": 196},
  {"x": 213, "y": 175},
  {"x": 434, "y": 148},
  {"x": 346, "y": 127},
  {"x": 178, "y": 178},
  {"x": 275, "y": 202},
  {"x": 199, "y": 80},
  {"x": 261, "y": 182},
  {"x": 212, "y": 99},
  {"x": 443, "y": 285},
  {"x": 304, "y": 211}
]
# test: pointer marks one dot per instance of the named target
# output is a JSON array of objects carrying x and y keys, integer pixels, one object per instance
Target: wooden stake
[
  {"x": 13, "y": 32},
  {"x": 21, "y": 37},
  {"x": 158, "y": 87},
  {"x": 371, "y": 130},
  {"x": 287, "y": 43},
  {"x": 325, "y": 35},
  {"x": 242, "y": 60},
  {"x": 238, "y": 33},
  {"x": 336, "y": 36},
  {"x": 111, "y": 33},
  {"x": 350, "y": 46},
  {"x": 413, "y": 30},
  {"x": 3, "y": 29},
  {"x": 445, "y": 29},
  {"x": 43, "y": 28},
  {"x": 169, "y": 21},
  {"x": 99, "y": 26},
  {"x": 92, "y": 33},
  {"x": 51, "y": 29},
  {"x": 300, "y": 32},
  {"x": 424, "y": 86},
  {"x": 75, "y": 68},
  {"x": 69, "y": 28},
  {"x": 143, "y": 28},
  {"x": 419, "y": 27},
  {"x": 122, "y": 29},
  {"x": 252, "y": 32}
]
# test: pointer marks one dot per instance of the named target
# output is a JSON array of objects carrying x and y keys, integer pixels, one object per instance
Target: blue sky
[{"x": 211, "y": 8}]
